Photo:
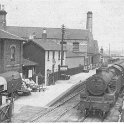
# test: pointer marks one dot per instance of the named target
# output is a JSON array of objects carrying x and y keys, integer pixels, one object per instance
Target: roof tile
[
  {"x": 6, "y": 35},
  {"x": 48, "y": 45}
]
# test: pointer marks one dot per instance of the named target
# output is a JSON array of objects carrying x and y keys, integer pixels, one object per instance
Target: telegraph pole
[{"x": 62, "y": 42}]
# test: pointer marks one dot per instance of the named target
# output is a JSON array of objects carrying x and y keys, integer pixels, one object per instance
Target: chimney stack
[
  {"x": 44, "y": 34},
  {"x": 3, "y": 7},
  {"x": 89, "y": 21},
  {"x": 2, "y": 17},
  {"x": 32, "y": 36}
]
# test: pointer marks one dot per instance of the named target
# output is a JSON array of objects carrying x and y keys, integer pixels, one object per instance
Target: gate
[
  {"x": 6, "y": 112},
  {"x": 52, "y": 78}
]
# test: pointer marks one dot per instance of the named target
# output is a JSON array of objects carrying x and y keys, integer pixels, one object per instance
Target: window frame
[
  {"x": 53, "y": 54},
  {"x": 12, "y": 55},
  {"x": 48, "y": 55},
  {"x": 59, "y": 53},
  {"x": 76, "y": 46}
]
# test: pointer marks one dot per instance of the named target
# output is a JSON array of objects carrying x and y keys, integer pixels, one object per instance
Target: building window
[
  {"x": 59, "y": 55},
  {"x": 12, "y": 53},
  {"x": 63, "y": 55},
  {"x": 53, "y": 54},
  {"x": 75, "y": 47},
  {"x": 48, "y": 55}
]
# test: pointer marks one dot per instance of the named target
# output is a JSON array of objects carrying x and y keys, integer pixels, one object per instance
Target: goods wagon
[
  {"x": 14, "y": 81},
  {"x": 102, "y": 89}
]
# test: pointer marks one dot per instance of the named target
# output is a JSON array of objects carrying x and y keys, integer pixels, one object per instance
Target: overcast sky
[{"x": 108, "y": 17}]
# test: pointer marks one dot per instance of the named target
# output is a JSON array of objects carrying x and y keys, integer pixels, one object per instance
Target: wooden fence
[{"x": 53, "y": 77}]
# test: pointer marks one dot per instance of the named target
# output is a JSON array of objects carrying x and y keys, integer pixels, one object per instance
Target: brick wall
[
  {"x": 35, "y": 53},
  {"x": 73, "y": 62},
  {"x": 1, "y": 56},
  {"x": 10, "y": 65}
]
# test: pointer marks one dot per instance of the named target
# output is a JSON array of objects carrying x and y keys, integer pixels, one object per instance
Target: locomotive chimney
[{"x": 89, "y": 21}]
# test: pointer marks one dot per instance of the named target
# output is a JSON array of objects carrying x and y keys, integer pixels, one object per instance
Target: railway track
[
  {"x": 64, "y": 108},
  {"x": 114, "y": 114},
  {"x": 61, "y": 108}
]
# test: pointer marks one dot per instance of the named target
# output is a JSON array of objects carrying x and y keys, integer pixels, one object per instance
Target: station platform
[{"x": 38, "y": 100}]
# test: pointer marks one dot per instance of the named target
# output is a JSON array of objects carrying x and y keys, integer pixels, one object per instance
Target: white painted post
[{"x": 36, "y": 79}]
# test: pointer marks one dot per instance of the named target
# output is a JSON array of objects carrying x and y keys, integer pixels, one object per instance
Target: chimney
[
  {"x": 44, "y": 34},
  {"x": 3, "y": 7},
  {"x": 89, "y": 21},
  {"x": 32, "y": 36},
  {"x": 2, "y": 17}
]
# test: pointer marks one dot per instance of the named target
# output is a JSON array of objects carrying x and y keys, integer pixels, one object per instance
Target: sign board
[
  {"x": 63, "y": 42},
  {"x": 63, "y": 68},
  {"x": 30, "y": 73}
]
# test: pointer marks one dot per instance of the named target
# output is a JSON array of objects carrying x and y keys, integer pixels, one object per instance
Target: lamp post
[{"x": 62, "y": 42}]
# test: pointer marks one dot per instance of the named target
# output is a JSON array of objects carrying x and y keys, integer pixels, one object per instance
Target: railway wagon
[
  {"x": 102, "y": 90},
  {"x": 10, "y": 82},
  {"x": 14, "y": 81}
]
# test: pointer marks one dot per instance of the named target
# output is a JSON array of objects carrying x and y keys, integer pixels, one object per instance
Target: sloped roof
[
  {"x": 47, "y": 44},
  {"x": 6, "y": 35},
  {"x": 56, "y": 33},
  {"x": 25, "y": 32},
  {"x": 27, "y": 62},
  {"x": 74, "y": 54}
]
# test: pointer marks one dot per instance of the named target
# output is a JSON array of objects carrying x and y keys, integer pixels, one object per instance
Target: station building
[
  {"x": 11, "y": 50},
  {"x": 46, "y": 53}
]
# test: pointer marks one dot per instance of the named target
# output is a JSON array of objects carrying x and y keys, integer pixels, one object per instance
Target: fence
[
  {"x": 53, "y": 77},
  {"x": 6, "y": 112}
]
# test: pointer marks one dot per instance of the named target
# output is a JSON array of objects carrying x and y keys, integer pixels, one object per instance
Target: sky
[{"x": 108, "y": 17}]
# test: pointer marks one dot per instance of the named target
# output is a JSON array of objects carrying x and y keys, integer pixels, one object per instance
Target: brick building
[
  {"x": 46, "y": 54},
  {"x": 80, "y": 42},
  {"x": 11, "y": 50}
]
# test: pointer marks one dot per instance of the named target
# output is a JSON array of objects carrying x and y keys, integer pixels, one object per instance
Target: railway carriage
[{"x": 102, "y": 89}]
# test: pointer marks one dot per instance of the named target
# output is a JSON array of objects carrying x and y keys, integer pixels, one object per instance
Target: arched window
[{"x": 12, "y": 53}]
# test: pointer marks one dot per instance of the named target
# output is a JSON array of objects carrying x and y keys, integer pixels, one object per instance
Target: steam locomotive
[
  {"x": 102, "y": 89},
  {"x": 10, "y": 83}
]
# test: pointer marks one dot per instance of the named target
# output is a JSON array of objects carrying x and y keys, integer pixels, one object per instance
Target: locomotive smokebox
[{"x": 97, "y": 84}]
